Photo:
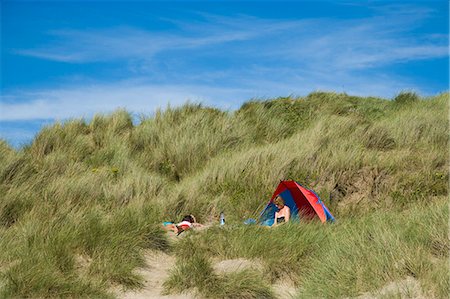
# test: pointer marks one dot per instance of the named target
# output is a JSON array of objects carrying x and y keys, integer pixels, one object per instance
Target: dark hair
[{"x": 188, "y": 218}]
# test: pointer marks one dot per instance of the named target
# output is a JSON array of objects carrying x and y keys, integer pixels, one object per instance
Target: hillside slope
[{"x": 80, "y": 203}]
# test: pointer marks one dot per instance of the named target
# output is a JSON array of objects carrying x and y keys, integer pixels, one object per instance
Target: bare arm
[
  {"x": 287, "y": 214},
  {"x": 275, "y": 219}
]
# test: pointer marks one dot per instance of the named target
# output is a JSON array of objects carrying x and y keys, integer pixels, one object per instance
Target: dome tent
[{"x": 304, "y": 204}]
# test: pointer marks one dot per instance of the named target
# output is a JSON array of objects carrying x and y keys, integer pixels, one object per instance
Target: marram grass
[
  {"x": 345, "y": 259},
  {"x": 81, "y": 202}
]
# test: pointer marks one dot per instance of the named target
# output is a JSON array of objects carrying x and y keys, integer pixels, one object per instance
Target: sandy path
[
  {"x": 156, "y": 272},
  {"x": 283, "y": 288},
  {"x": 158, "y": 269},
  {"x": 159, "y": 265}
]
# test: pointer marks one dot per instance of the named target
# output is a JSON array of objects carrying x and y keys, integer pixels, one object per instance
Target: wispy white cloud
[
  {"x": 91, "y": 45},
  {"x": 77, "y": 46},
  {"x": 331, "y": 43},
  {"x": 141, "y": 96},
  {"x": 349, "y": 45},
  {"x": 85, "y": 101}
]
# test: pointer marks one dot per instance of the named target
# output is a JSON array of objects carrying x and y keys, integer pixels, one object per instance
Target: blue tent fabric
[{"x": 303, "y": 203}]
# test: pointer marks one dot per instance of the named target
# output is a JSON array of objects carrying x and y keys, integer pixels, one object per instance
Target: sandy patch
[
  {"x": 156, "y": 272},
  {"x": 236, "y": 265},
  {"x": 283, "y": 288},
  {"x": 406, "y": 288}
]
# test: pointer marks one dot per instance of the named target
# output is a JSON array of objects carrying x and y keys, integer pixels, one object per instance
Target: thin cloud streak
[
  {"x": 100, "y": 45},
  {"x": 139, "y": 96},
  {"x": 127, "y": 42},
  {"x": 336, "y": 44},
  {"x": 75, "y": 102},
  {"x": 362, "y": 44}
]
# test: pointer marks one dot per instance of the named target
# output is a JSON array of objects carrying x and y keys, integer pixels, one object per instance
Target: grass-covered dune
[{"x": 83, "y": 201}]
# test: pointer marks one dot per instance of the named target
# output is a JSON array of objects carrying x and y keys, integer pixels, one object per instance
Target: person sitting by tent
[
  {"x": 186, "y": 223},
  {"x": 284, "y": 212},
  {"x": 302, "y": 203}
]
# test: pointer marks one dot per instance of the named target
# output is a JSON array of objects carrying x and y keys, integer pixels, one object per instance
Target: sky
[{"x": 74, "y": 59}]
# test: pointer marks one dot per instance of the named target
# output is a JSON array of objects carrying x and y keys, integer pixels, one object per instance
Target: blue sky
[{"x": 63, "y": 60}]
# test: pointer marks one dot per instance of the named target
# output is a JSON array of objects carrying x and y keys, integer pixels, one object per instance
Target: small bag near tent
[{"x": 304, "y": 204}]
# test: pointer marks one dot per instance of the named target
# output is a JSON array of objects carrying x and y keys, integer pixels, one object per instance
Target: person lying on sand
[{"x": 186, "y": 223}]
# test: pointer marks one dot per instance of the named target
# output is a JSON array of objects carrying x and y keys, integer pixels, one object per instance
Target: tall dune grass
[
  {"x": 80, "y": 203},
  {"x": 354, "y": 256}
]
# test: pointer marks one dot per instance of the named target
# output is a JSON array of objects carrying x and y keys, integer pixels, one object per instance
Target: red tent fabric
[{"x": 304, "y": 203}]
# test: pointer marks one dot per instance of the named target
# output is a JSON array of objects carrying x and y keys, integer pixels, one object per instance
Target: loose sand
[
  {"x": 156, "y": 272},
  {"x": 159, "y": 264}
]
